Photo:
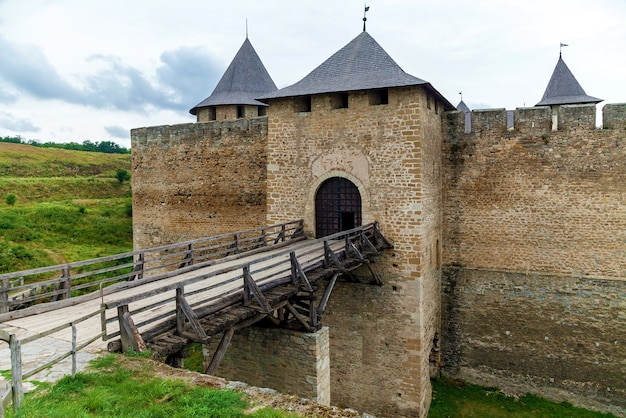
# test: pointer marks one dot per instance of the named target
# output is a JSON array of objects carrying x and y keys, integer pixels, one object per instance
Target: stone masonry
[
  {"x": 381, "y": 338},
  {"x": 535, "y": 253},
  {"x": 196, "y": 180}
]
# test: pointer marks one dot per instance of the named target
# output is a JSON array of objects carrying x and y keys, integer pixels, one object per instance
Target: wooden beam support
[
  {"x": 184, "y": 309},
  {"x": 297, "y": 272},
  {"x": 221, "y": 350},
  {"x": 251, "y": 288},
  {"x": 129, "y": 334},
  {"x": 322, "y": 306},
  {"x": 301, "y": 318}
]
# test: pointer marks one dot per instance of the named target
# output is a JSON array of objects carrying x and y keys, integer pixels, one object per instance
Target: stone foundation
[{"x": 291, "y": 362}]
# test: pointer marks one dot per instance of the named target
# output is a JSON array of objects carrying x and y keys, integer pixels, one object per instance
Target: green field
[{"x": 68, "y": 206}]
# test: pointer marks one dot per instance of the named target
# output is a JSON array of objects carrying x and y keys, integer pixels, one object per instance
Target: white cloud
[{"x": 72, "y": 67}]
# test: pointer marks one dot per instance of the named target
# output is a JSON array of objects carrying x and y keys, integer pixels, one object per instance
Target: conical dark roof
[
  {"x": 462, "y": 106},
  {"x": 245, "y": 79},
  {"x": 563, "y": 88},
  {"x": 360, "y": 65}
]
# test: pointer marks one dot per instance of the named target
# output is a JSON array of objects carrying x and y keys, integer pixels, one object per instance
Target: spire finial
[
  {"x": 246, "y": 28},
  {"x": 561, "y": 47},
  {"x": 364, "y": 17},
  {"x": 461, "y": 94}
]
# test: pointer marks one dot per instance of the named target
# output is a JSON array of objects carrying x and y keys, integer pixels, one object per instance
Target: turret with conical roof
[
  {"x": 235, "y": 95},
  {"x": 564, "y": 89}
]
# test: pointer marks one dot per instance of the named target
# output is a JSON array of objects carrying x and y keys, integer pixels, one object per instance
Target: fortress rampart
[
  {"x": 197, "y": 179},
  {"x": 535, "y": 252}
]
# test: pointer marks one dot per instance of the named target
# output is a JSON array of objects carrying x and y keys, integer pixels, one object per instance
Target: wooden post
[
  {"x": 67, "y": 282},
  {"x": 16, "y": 372},
  {"x": 180, "y": 315},
  {"x": 236, "y": 243},
  {"x": 191, "y": 254},
  {"x": 326, "y": 250},
  {"x": 124, "y": 336},
  {"x": 138, "y": 269},
  {"x": 4, "y": 296},
  {"x": 73, "y": 350},
  {"x": 206, "y": 356}
]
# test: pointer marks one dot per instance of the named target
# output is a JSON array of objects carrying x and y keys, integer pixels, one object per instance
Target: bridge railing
[
  {"x": 206, "y": 294},
  {"x": 14, "y": 392},
  {"x": 62, "y": 282}
]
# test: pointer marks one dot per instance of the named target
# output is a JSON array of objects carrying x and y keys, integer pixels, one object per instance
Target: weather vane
[
  {"x": 364, "y": 17},
  {"x": 561, "y": 47}
]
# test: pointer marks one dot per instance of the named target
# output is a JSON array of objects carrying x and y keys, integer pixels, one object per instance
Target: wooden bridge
[{"x": 168, "y": 297}]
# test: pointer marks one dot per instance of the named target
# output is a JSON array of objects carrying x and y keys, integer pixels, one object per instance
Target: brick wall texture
[
  {"x": 196, "y": 180},
  {"x": 381, "y": 337},
  {"x": 535, "y": 241}
]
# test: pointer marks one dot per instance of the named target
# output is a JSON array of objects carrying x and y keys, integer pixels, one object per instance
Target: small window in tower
[
  {"x": 240, "y": 111},
  {"x": 379, "y": 97},
  {"x": 212, "y": 113},
  {"x": 339, "y": 101},
  {"x": 428, "y": 99},
  {"x": 262, "y": 110},
  {"x": 302, "y": 104},
  {"x": 436, "y": 107}
]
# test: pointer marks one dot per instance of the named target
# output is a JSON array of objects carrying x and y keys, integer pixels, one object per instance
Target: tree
[
  {"x": 122, "y": 175},
  {"x": 10, "y": 199}
]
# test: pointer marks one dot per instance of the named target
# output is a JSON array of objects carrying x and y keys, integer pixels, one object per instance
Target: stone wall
[
  {"x": 197, "y": 180},
  {"x": 391, "y": 152},
  {"x": 288, "y": 361},
  {"x": 556, "y": 335},
  {"x": 535, "y": 244}
]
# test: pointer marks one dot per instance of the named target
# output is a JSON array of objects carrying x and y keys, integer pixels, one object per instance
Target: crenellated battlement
[{"x": 542, "y": 119}]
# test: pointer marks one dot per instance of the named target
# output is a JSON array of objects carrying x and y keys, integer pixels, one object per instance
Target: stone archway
[{"x": 337, "y": 206}]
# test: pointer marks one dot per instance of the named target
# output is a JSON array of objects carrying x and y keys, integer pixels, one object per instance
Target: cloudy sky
[{"x": 75, "y": 70}]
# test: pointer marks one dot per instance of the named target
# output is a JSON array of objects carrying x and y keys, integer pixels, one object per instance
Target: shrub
[
  {"x": 10, "y": 199},
  {"x": 122, "y": 175}
]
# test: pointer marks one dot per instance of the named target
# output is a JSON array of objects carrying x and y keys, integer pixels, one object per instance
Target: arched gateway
[{"x": 337, "y": 206}]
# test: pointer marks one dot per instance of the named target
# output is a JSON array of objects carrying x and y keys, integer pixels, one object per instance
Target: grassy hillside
[
  {"x": 69, "y": 206},
  {"x": 19, "y": 160}
]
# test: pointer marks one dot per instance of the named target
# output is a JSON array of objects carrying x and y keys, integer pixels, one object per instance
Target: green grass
[
  {"x": 113, "y": 390},
  {"x": 69, "y": 206},
  {"x": 48, "y": 233},
  {"x": 456, "y": 399}
]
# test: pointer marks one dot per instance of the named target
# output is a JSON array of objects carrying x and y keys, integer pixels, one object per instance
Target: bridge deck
[{"x": 219, "y": 297}]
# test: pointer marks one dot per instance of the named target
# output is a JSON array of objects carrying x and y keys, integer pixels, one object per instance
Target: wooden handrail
[{"x": 133, "y": 265}]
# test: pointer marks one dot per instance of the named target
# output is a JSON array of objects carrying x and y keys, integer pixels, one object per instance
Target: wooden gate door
[{"x": 337, "y": 207}]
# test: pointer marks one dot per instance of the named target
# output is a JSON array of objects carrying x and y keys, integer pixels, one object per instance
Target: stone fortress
[{"x": 509, "y": 259}]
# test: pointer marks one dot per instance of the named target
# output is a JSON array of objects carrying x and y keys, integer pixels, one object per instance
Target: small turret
[
  {"x": 235, "y": 95},
  {"x": 563, "y": 88}
]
